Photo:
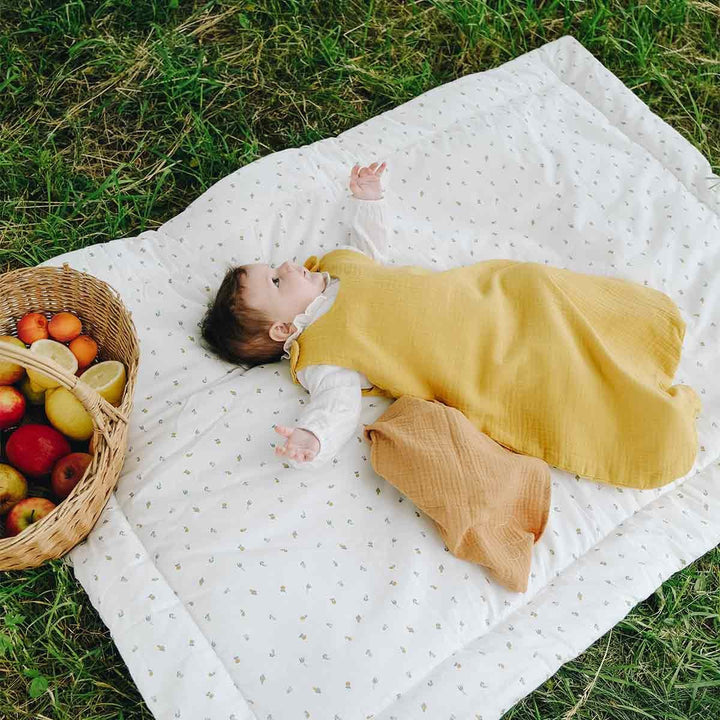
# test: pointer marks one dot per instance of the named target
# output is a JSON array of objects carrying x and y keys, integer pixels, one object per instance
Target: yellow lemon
[
  {"x": 34, "y": 394},
  {"x": 67, "y": 414},
  {"x": 59, "y": 353},
  {"x": 107, "y": 379}
]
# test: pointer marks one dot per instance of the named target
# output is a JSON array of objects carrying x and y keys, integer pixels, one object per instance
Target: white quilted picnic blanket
[{"x": 239, "y": 588}]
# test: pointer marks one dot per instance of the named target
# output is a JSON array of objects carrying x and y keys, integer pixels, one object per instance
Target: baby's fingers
[
  {"x": 354, "y": 176},
  {"x": 299, "y": 455},
  {"x": 372, "y": 170},
  {"x": 304, "y": 455}
]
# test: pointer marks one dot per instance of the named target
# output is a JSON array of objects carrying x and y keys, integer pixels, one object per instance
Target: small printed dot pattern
[{"x": 237, "y": 587}]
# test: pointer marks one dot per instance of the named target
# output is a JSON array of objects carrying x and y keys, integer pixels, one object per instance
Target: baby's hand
[
  {"x": 302, "y": 445},
  {"x": 365, "y": 181}
]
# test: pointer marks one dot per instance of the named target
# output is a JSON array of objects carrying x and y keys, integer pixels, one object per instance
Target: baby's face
[{"x": 283, "y": 292}]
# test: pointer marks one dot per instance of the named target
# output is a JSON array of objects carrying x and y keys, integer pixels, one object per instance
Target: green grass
[{"x": 115, "y": 115}]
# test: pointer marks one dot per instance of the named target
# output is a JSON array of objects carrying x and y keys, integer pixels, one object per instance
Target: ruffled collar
[{"x": 302, "y": 320}]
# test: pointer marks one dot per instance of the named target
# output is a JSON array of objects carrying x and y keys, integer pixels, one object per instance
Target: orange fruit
[
  {"x": 85, "y": 349},
  {"x": 64, "y": 327},
  {"x": 32, "y": 326}
]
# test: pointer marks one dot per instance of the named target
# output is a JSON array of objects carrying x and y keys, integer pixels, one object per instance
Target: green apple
[
  {"x": 11, "y": 372},
  {"x": 35, "y": 396},
  {"x": 13, "y": 488}
]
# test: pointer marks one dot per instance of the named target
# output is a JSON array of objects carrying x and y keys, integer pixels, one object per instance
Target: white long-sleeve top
[{"x": 335, "y": 392}]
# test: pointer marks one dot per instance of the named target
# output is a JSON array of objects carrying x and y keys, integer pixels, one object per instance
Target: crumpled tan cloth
[{"x": 490, "y": 505}]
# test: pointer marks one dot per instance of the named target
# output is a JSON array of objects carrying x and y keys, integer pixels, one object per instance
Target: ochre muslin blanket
[{"x": 489, "y": 504}]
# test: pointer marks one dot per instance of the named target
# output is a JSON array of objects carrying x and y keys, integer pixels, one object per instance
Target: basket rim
[{"x": 68, "y": 269}]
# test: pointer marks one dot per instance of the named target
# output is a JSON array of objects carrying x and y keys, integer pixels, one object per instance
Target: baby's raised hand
[
  {"x": 365, "y": 182},
  {"x": 302, "y": 445}
]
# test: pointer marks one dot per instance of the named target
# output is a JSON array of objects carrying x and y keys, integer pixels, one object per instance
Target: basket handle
[{"x": 92, "y": 401}]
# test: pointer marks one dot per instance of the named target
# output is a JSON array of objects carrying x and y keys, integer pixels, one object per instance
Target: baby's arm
[
  {"x": 370, "y": 228},
  {"x": 333, "y": 412},
  {"x": 369, "y": 222}
]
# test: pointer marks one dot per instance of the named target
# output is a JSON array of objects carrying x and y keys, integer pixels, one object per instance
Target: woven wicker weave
[{"x": 49, "y": 290}]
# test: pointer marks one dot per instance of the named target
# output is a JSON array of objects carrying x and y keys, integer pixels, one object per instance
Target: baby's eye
[{"x": 278, "y": 279}]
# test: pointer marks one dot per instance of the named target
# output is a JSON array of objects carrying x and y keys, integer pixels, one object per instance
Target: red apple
[
  {"x": 13, "y": 488},
  {"x": 34, "y": 449},
  {"x": 27, "y": 512},
  {"x": 31, "y": 327},
  {"x": 11, "y": 372},
  {"x": 12, "y": 406},
  {"x": 67, "y": 473}
]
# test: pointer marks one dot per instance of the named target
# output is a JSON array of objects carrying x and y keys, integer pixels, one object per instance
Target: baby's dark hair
[{"x": 236, "y": 332}]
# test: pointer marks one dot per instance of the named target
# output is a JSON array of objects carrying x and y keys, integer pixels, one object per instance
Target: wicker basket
[{"x": 104, "y": 317}]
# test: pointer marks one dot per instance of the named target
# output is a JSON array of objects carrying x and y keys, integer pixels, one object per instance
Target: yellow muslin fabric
[
  {"x": 490, "y": 505},
  {"x": 571, "y": 368}
]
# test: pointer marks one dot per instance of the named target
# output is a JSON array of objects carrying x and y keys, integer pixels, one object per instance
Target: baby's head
[{"x": 254, "y": 309}]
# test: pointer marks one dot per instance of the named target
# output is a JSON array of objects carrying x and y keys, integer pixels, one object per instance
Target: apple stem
[{"x": 32, "y": 516}]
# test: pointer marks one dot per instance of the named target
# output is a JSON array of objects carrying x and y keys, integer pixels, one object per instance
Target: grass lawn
[{"x": 116, "y": 114}]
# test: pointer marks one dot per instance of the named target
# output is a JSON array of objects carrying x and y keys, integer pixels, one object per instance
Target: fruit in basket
[
  {"x": 12, "y": 406},
  {"x": 34, "y": 397},
  {"x": 13, "y": 488},
  {"x": 85, "y": 349},
  {"x": 31, "y": 327},
  {"x": 64, "y": 327},
  {"x": 108, "y": 379},
  {"x": 67, "y": 414},
  {"x": 34, "y": 449},
  {"x": 68, "y": 472},
  {"x": 27, "y": 512},
  {"x": 11, "y": 372},
  {"x": 52, "y": 350}
]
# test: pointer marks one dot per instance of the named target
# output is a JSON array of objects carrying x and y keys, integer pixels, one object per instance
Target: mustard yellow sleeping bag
[{"x": 571, "y": 368}]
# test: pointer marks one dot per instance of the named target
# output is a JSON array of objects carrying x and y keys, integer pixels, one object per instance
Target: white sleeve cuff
[
  {"x": 370, "y": 228},
  {"x": 334, "y": 410}
]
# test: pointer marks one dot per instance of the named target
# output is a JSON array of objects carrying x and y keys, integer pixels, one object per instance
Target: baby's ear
[{"x": 281, "y": 331}]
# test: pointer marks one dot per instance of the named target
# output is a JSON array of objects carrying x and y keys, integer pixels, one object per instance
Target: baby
[
  {"x": 571, "y": 368},
  {"x": 259, "y": 311}
]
